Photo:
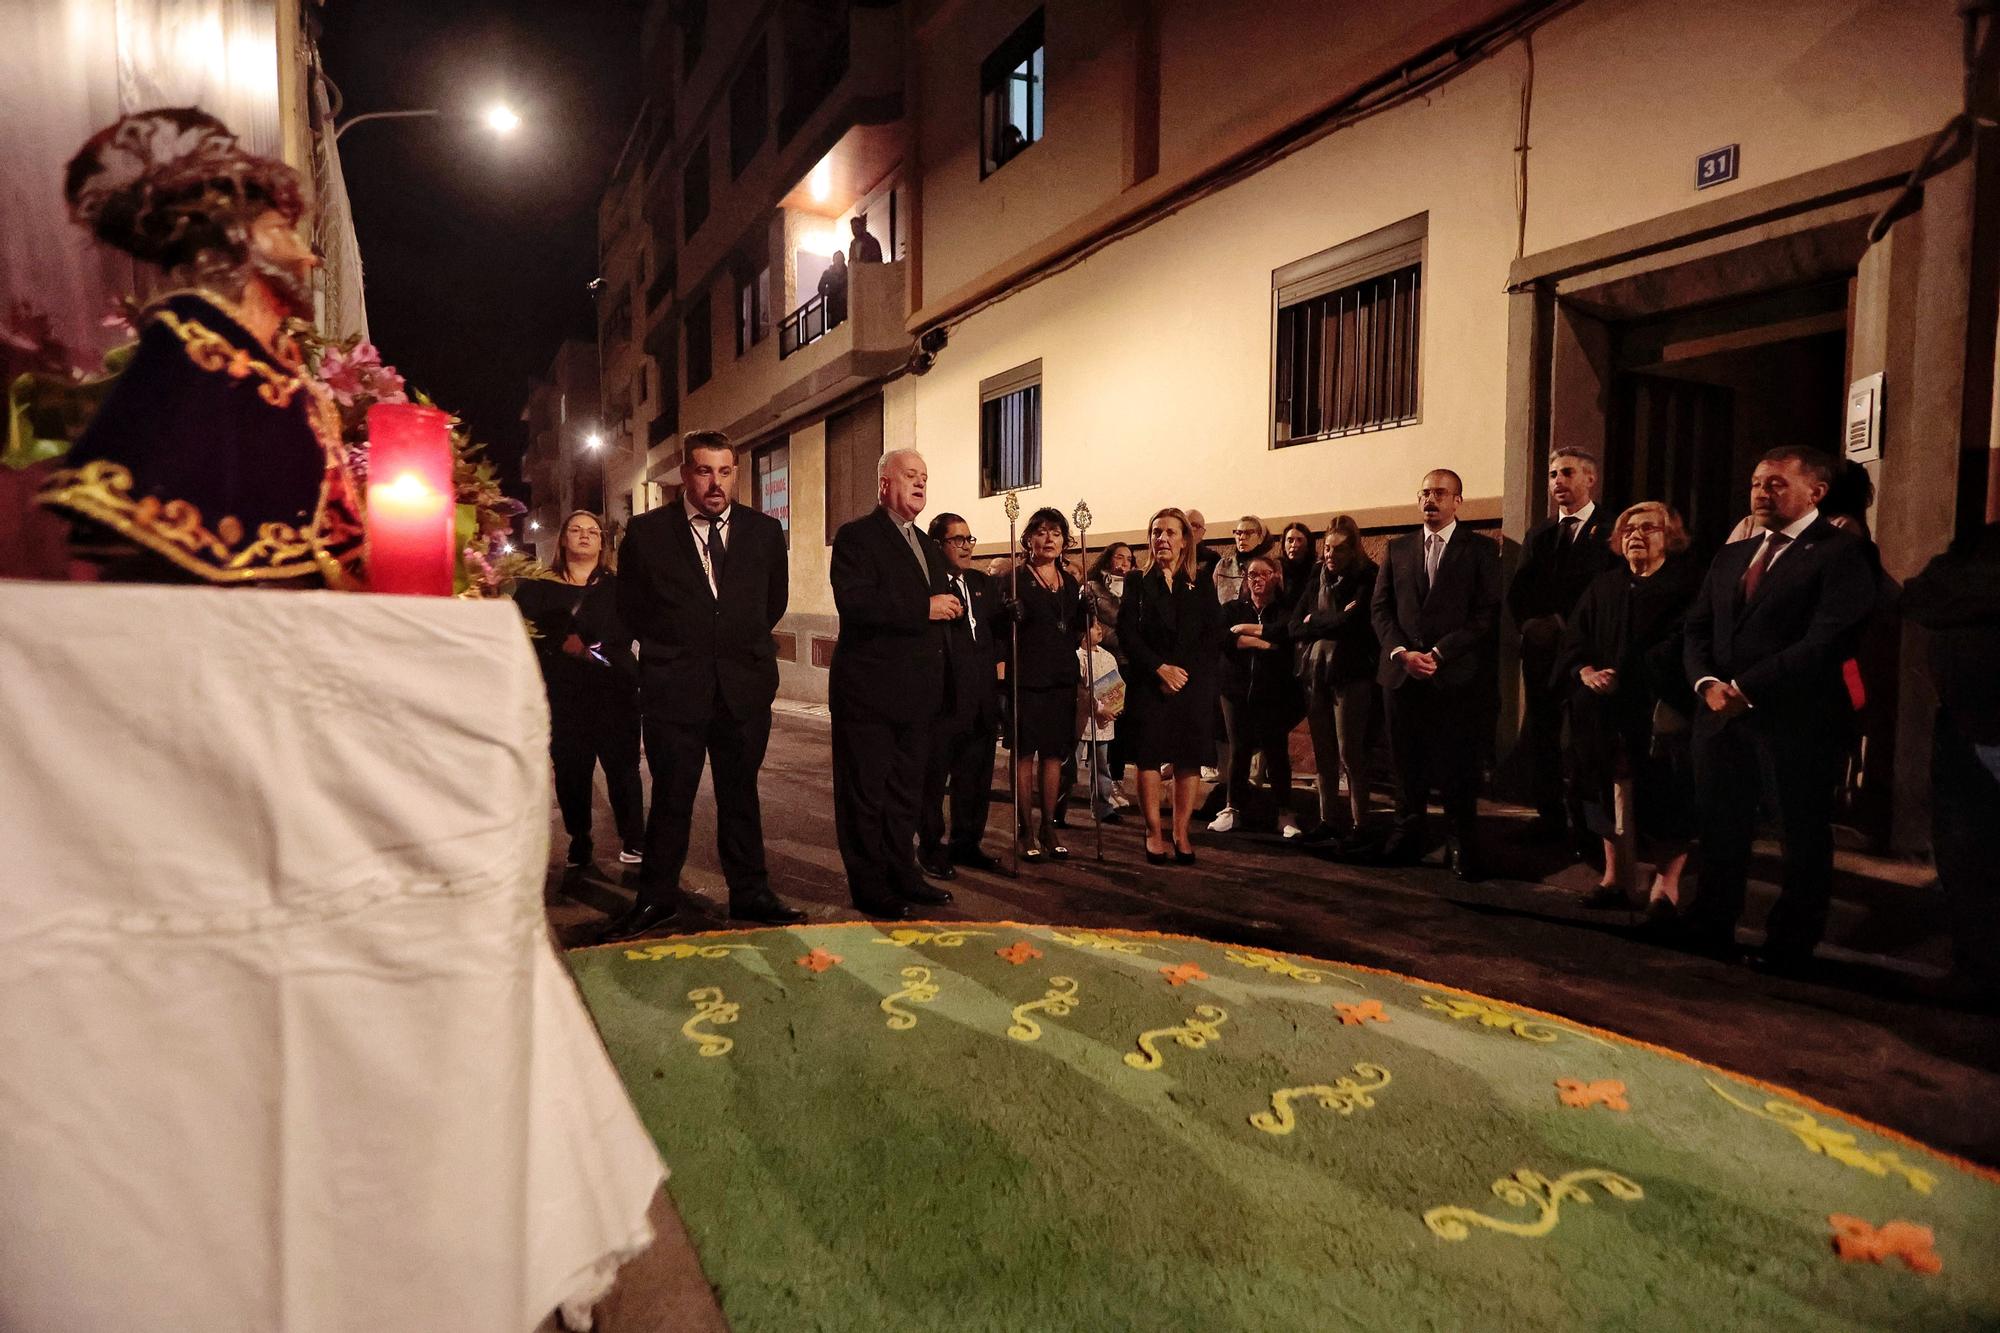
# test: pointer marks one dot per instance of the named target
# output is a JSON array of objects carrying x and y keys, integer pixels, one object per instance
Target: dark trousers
[
  {"x": 1542, "y": 728},
  {"x": 960, "y": 768},
  {"x": 1748, "y": 764},
  {"x": 1965, "y": 811},
  {"x": 597, "y": 729},
  {"x": 1434, "y": 739},
  {"x": 1246, "y": 742},
  {"x": 734, "y": 749},
  {"x": 878, "y": 778}
]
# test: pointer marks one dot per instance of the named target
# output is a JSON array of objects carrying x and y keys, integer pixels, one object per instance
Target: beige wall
[{"x": 1156, "y": 351}]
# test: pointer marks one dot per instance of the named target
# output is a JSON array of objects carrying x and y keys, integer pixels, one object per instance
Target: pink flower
[{"x": 359, "y": 373}]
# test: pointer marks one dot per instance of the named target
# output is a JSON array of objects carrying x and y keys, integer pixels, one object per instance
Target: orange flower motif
[
  {"x": 1606, "y": 1091},
  {"x": 1856, "y": 1240},
  {"x": 1019, "y": 952},
  {"x": 1367, "y": 1011},
  {"x": 1183, "y": 973},
  {"x": 819, "y": 960}
]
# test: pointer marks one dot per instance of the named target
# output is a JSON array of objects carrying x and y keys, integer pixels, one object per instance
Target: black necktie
[{"x": 715, "y": 551}]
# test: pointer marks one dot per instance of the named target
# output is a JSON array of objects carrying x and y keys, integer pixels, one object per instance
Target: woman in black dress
[
  {"x": 593, "y": 685},
  {"x": 1050, "y": 615},
  {"x": 1259, "y": 689},
  {"x": 1629, "y": 703},
  {"x": 1171, "y": 628},
  {"x": 1335, "y": 658}
]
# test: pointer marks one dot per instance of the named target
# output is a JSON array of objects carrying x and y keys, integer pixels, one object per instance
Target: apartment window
[
  {"x": 750, "y": 108},
  {"x": 1348, "y": 338},
  {"x": 694, "y": 32},
  {"x": 618, "y": 324},
  {"x": 1010, "y": 430},
  {"x": 1011, "y": 82},
  {"x": 771, "y": 483},
  {"x": 699, "y": 342},
  {"x": 753, "y": 306},
  {"x": 694, "y": 191}
]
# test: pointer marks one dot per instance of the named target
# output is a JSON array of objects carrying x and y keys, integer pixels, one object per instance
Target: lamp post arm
[{"x": 351, "y": 122}]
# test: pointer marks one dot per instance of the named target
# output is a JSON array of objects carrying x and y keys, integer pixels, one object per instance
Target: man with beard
[
  {"x": 212, "y": 459},
  {"x": 703, "y": 583}
]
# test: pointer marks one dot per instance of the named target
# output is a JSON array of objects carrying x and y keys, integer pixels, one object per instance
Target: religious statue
[{"x": 216, "y": 455}]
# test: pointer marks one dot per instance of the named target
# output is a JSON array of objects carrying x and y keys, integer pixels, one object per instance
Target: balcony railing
[{"x": 808, "y": 324}]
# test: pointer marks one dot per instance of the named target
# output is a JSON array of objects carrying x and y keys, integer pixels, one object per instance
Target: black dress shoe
[
  {"x": 765, "y": 908},
  {"x": 644, "y": 918},
  {"x": 1401, "y": 850},
  {"x": 1607, "y": 896},
  {"x": 974, "y": 859},
  {"x": 1465, "y": 865},
  {"x": 1158, "y": 858},
  {"x": 885, "y": 909},
  {"x": 936, "y": 864},
  {"x": 930, "y": 895},
  {"x": 580, "y": 853}
]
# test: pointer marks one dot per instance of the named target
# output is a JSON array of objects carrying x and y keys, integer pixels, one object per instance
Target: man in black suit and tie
[
  {"x": 702, "y": 583},
  {"x": 891, "y": 683},
  {"x": 961, "y": 757},
  {"x": 1435, "y": 606},
  {"x": 1558, "y": 560},
  {"x": 1765, "y": 641}
]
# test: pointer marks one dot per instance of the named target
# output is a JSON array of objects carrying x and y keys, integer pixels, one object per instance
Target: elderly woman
[
  {"x": 1171, "y": 628},
  {"x": 1629, "y": 702},
  {"x": 1260, "y": 693},
  {"x": 1050, "y": 615}
]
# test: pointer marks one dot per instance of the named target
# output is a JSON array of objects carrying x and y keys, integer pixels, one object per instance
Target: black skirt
[
  {"x": 1177, "y": 729},
  {"x": 1047, "y": 724}
]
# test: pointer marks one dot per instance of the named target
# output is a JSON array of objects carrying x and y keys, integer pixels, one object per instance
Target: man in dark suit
[
  {"x": 702, "y": 583},
  {"x": 891, "y": 683},
  {"x": 961, "y": 757},
  {"x": 1558, "y": 560},
  {"x": 1436, "y": 603},
  {"x": 1765, "y": 642}
]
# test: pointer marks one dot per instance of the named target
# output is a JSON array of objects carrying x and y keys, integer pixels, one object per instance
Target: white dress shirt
[{"x": 698, "y": 524}]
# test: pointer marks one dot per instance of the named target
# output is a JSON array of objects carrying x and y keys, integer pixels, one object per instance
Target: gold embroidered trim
[
  {"x": 213, "y": 352},
  {"x": 175, "y": 529}
]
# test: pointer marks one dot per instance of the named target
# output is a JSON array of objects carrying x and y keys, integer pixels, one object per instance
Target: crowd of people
[{"x": 1668, "y": 700}]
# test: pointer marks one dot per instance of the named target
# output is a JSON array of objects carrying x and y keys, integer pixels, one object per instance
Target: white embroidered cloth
[{"x": 284, "y": 1043}]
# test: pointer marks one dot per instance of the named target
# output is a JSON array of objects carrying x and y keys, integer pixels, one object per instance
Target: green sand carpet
[{"x": 1019, "y": 1127}]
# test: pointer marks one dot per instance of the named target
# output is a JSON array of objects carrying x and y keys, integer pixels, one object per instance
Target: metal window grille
[
  {"x": 1010, "y": 440},
  {"x": 1347, "y": 359}
]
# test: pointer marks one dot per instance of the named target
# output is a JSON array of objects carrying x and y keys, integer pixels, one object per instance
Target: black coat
[
  {"x": 1553, "y": 575},
  {"x": 976, "y": 643},
  {"x": 1261, "y": 680},
  {"x": 1336, "y": 645},
  {"x": 891, "y": 662},
  {"x": 1456, "y": 617},
  {"x": 1957, "y": 598},
  {"x": 1052, "y": 628},
  {"x": 557, "y": 610},
  {"x": 696, "y": 648},
  {"x": 1179, "y": 626},
  {"x": 1632, "y": 625},
  {"x": 1784, "y": 649}
]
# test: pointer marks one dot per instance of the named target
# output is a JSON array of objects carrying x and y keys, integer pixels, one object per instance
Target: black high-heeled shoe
[
  {"x": 1031, "y": 849},
  {"x": 1182, "y": 858},
  {"x": 1154, "y": 858},
  {"x": 1054, "y": 848}
]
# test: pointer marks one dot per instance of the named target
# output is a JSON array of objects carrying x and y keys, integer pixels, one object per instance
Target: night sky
[{"x": 476, "y": 250}]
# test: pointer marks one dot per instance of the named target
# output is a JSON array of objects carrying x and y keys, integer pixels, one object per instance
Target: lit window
[{"x": 1011, "y": 83}]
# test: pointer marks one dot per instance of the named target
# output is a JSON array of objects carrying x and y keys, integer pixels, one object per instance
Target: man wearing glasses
[{"x": 962, "y": 745}]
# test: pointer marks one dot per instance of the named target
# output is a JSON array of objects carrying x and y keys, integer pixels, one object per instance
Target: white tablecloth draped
[{"x": 284, "y": 1043}]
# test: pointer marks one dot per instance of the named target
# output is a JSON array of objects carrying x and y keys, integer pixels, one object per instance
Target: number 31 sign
[{"x": 1715, "y": 168}]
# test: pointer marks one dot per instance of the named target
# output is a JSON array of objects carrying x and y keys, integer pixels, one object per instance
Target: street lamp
[
  {"x": 500, "y": 118},
  {"x": 593, "y": 441}
]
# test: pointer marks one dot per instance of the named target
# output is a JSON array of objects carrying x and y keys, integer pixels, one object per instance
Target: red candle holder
[{"x": 411, "y": 513}]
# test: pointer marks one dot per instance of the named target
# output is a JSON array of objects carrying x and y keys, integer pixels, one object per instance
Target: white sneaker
[
  {"x": 1223, "y": 822},
  {"x": 1288, "y": 825},
  {"x": 631, "y": 856},
  {"x": 1210, "y": 774},
  {"x": 1119, "y": 800}
]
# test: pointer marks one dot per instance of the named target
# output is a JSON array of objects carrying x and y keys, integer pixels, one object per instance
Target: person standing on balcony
[
  {"x": 833, "y": 292},
  {"x": 864, "y": 248},
  {"x": 702, "y": 584}
]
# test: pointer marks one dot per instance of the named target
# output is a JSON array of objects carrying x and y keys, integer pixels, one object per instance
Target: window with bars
[
  {"x": 1010, "y": 430},
  {"x": 1011, "y": 84},
  {"x": 1348, "y": 337}
]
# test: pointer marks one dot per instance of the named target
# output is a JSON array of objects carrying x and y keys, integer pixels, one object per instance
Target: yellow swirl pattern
[
  {"x": 1084, "y": 939},
  {"x": 709, "y": 1007},
  {"x": 1058, "y": 1003},
  {"x": 919, "y": 991},
  {"x": 1343, "y": 1096},
  {"x": 1834, "y": 1143},
  {"x": 1531, "y": 1189},
  {"x": 654, "y": 953},
  {"x": 903, "y": 938},
  {"x": 1458, "y": 1007},
  {"x": 1194, "y": 1034},
  {"x": 1285, "y": 967}
]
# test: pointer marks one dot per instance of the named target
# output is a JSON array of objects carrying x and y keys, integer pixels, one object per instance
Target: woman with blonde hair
[
  {"x": 1171, "y": 627},
  {"x": 1629, "y": 705},
  {"x": 593, "y": 685}
]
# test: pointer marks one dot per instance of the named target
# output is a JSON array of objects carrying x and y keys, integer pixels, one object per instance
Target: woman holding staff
[{"x": 1049, "y": 618}]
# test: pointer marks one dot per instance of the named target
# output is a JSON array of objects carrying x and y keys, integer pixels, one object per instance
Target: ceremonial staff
[
  {"x": 1012, "y": 504},
  {"x": 1081, "y": 517}
]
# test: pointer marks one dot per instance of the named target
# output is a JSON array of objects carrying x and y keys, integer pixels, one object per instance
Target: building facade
[
  {"x": 564, "y": 469},
  {"x": 1281, "y": 258}
]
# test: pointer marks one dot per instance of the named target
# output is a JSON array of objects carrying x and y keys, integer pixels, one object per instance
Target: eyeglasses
[
  {"x": 963, "y": 539},
  {"x": 1645, "y": 527},
  {"x": 1245, "y": 532}
]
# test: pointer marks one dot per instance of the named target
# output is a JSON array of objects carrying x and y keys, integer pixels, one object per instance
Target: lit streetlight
[
  {"x": 500, "y": 118},
  {"x": 593, "y": 441}
]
